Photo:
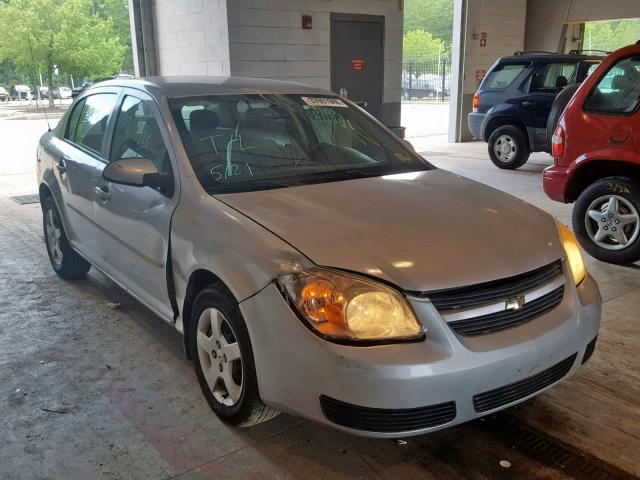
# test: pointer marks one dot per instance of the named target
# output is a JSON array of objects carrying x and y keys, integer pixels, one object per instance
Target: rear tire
[
  {"x": 66, "y": 262},
  {"x": 606, "y": 220},
  {"x": 508, "y": 147},
  {"x": 222, "y": 353}
]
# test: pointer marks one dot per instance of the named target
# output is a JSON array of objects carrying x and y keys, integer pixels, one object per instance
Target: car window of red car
[{"x": 618, "y": 91}]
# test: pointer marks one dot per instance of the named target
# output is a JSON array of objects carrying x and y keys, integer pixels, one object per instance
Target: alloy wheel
[
  {"x": 54, "y": 238},
  {"x": 220, "y": 357},
  {"x": 612, "y": 222}
]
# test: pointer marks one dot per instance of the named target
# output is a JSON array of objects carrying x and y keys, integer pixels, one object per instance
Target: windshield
[{"x": 239, "y": 143}]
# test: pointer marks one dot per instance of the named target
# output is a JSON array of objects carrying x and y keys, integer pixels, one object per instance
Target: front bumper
[
  {"x": 475, "y": 121},
  {"x": 296, "y": 368},
  {"x": 554, "y": 182}
]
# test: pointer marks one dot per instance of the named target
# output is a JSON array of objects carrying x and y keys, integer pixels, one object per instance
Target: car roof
[
  {"x": 532, "y": 56},
  {"x": 187, "y": 86}
]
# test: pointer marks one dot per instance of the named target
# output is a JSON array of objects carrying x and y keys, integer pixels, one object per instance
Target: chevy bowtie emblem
[{"x": 515, "y": 303}]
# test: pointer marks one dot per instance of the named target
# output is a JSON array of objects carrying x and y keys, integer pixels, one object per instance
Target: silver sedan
[{"x": 314, "y": 262}]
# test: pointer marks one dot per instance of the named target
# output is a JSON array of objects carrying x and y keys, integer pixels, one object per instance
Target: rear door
[
  {"x": 544, "y": 86},
  {"x": 357, "y": 59},
  {"x": 135, "y": 221},
  {"x": 76, "y": 160},
  {"x": 612, "y": 111}
]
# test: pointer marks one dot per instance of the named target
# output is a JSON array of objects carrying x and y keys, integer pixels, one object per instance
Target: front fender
[{"x": 207, "y": 234}]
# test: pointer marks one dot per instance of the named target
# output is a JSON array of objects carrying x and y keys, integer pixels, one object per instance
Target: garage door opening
[
  {"x": 611, "y": 35},
  {"x": 426, "y": 69}
]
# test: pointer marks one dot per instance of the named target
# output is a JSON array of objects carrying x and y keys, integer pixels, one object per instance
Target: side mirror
[{"x": 137, "y": 172}]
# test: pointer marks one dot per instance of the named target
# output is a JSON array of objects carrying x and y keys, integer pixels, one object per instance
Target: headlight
[
  {"x": 343, "y": 307},
  {"x": 572, "y": 250}
]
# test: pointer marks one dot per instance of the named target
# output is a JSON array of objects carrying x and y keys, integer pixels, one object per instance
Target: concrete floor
[{"x": 93, "y": 392}]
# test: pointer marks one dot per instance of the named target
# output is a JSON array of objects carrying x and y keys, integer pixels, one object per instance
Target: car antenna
[{"x": 33, "y": 67}]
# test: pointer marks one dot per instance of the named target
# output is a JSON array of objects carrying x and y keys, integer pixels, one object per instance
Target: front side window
[
  {"x": 88, "y": 121},
  {"x": 502, "y": 76},
  {"x": 137, "y": 134},
  {"x": 618, "y": 91},
  {"x": 553, "y": 77},
  {"x": 252, "y": 142}
]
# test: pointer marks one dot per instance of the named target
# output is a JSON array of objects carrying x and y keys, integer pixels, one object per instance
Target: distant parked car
[
  {"x": 80, "y": 88},
  {"x": 42, "y": 93},
  {"x": 596, "y": 154},
  {"x": 513, "y": 102},
  {"x": 20, "y": 92},
  {"x": 4, "y": 95},
  {"x": 61, "y": 92}
]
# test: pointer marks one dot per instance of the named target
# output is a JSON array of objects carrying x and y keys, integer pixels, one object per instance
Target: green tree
[
  {"x": 63, "y": 34},
  {"x": 419, "y": 44},
  {"x": 433, "y": 16},
  {"x": 118, "y": 12},
  {"x": 610, "y": 36}
]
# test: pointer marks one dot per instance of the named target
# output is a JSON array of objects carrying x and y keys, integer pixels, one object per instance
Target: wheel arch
[
  {"x": 594, "y": 170},
  {"x": 198, "y": 281},
  {"x": 493, "y": 123}
]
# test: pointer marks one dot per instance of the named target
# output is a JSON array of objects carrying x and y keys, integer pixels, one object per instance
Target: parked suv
[
  {"x": 511, "y": 107},
  {"x": 20, "y": 92},
  {"x": 4, "y": 95},
  {"x": 596, "y": 151}
]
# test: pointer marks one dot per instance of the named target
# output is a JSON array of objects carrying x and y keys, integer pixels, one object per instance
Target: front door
[
  {"x": 544, "y": 86},
  {"x": 135, "y": 221},
  {"x": 357, "y": 59}
]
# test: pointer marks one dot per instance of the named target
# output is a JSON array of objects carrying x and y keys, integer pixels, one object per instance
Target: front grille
[
  {"x": 384, "y": 420},
  {"x": 494, "y": 322},
  {"x": 498, "y": 397},
  {"x": 487, "y": 292}
]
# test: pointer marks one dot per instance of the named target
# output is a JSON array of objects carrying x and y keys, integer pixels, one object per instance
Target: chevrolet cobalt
[{"x": 313, "y": 261}]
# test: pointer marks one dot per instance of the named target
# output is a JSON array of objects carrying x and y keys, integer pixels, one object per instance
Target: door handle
[
  {"x": 61, "y": 165},
  {"x": 103, "y": 193},
  {"x": 527, "y": 104}
]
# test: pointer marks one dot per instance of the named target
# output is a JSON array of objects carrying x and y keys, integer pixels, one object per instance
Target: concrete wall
[
  {"x": 503, "y": 22},
  {"x": 266, "y": 40},
  {"x": 192, "y": 37}
]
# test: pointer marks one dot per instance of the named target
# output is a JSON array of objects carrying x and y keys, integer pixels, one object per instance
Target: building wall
[
  {"x": 266, "y": 40},
  {"x": 503, "y": 22},
  {"x": 192, "y": 37}
]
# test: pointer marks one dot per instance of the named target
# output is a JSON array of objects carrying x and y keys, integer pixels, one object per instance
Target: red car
[{"x": 596, "y": 153}]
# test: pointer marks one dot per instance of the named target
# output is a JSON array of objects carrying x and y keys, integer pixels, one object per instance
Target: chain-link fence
[{"x": 426, "y": 80}]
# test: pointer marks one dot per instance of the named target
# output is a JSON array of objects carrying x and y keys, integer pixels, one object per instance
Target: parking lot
[{"x": 96, "y": 387}]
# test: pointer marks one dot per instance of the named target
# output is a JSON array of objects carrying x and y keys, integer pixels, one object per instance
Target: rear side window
[
  {"x": 553, "y": 77},
  {"x": 618, "y": 91},
  {"x": 88, "y": 121},
  {"x": 501, "y": 77}
]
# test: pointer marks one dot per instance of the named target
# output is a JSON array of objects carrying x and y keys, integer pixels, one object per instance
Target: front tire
[
  {"x": 508, "y": 147},
  {"x": 66, "y": 262},
  {"x": 606, "y": 220},
  {"x": 223, "y": 360}
]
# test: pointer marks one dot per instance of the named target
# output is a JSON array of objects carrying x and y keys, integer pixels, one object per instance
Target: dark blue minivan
[{"x": 513, "y": 103}]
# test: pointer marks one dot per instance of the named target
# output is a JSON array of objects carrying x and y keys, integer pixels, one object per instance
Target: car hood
[{"x": 421, "y": 231}]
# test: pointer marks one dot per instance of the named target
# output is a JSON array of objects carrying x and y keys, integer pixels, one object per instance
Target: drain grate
[
  {"x": 26, "y": 199},
  {"x": 550, "y": 451}
]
